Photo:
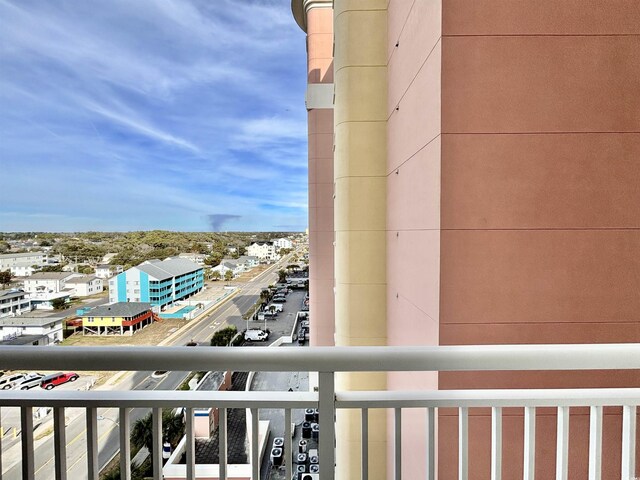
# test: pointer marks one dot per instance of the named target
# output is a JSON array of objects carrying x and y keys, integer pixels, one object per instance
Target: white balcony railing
[{"x": 328, "y": 361}]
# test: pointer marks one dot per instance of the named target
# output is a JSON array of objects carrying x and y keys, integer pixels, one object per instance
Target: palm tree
[
  {"x": 142, "y": 433},
  {"x": 282, "y": 276},
  {"x": 228, "y": 275}
]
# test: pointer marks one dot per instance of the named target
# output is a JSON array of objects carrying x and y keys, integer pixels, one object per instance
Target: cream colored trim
[{"x": 319, "y": 95}]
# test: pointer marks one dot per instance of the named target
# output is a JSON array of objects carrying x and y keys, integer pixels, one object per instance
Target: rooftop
[
  {"x": 121, "y": 309},
  {"x": 171, "y": 267},
  {"x": 22, "y": 340},
  {"x": 21, "y": 255},
  {"x": 83, "y": 279},
  {"x": 5, "y": 294},
  {"x": 49, "y": 276},
  {"x": 27, "y": 321}
]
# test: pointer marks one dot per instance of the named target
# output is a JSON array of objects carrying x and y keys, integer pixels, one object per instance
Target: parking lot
[
  {"x": 10, "y": 416},
  {"x": 280, "y": 325}
]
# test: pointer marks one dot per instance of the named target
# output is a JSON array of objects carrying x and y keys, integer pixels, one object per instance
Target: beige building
[{"x": 473, "y": 179}]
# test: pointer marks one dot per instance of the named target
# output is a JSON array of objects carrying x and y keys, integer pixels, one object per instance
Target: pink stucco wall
[
  {"x": 320, "y": 124},
  {"x": 413, "y": 202},
  {"x": 512, "y": 200},
  {"x": 540, "y": 205}
]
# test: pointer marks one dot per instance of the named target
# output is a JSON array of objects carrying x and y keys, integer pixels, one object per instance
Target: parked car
[
  {"x": 31, "y": 380},
  {"x": 9, "y": 381},
  {"x": 278, "y": 299},
  {"x": 255, "y": 335},
  {"x": 56, "y": 379},
  {"x": 278, "y": 307}
]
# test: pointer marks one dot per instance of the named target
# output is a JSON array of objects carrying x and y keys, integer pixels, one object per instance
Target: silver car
[{"x": 32, "y": 380}]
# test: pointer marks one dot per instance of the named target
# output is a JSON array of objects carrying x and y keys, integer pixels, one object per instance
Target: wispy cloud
[{"x": 152, "y": 114}]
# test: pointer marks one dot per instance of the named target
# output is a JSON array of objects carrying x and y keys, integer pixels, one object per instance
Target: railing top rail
[
  {"x": 576, "y": 397},
  {"x": 326, "y": 359},
  {"x": 157, "y": 398}
]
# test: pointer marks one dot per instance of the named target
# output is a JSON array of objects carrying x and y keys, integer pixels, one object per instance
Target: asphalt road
[{"x": 108, "y": 441}]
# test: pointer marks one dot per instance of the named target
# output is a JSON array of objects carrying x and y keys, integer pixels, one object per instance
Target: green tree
[
  {"x": 215, "y": 275},
  {"x": 223, "y": 337},
  {"x": 282, "y": 276},
  {"x": 142, "y": 430},
  {"x": 214, "y": 259},
  {"x": 58, "y": 303},
  {"x": 228, "y": 275},
  {"x": 5, "y": 278},
  {"x": 265, "y": 295},
  {"x": 52, "y": 268}
]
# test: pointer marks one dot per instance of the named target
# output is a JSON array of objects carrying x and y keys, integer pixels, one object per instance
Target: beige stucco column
[{"x": 360, "y": 118}]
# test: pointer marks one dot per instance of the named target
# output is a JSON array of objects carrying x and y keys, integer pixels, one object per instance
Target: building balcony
[{"x": 331, "y": 362}]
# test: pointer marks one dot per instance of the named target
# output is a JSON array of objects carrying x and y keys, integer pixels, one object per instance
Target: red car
[{"x": 56, "y": 379}]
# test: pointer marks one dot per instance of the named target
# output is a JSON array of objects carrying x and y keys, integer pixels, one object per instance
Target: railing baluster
[
  {"x": 398, "y": 443},
  {"x": 496, "y": 443},
  {"x": 288, "y": 459},
  {"x": 156, "y": 454},
  {"x": 327, "y": 406},
  {"x": 1, "y": 435},
  {"x": 255, "y": 448},
  {"x": 629, "y": 441},
  {"x": 60, "y": 443},
  {"x": 222, "y": 442},
  {"x": 562, "y": 444},
  {"x": 125, "y": 445},
  {"x": 365, "y": 444},
  {"x": 191, "y": 445},
  {"x": 595, "y": 443},
  {"x": 529, "y": 443},
  {"x": 93, "y": 470},
  {"x": 26, "y": 426},
  {"x": 463, "y": 443},
  {"x": 431, "y": 443}
]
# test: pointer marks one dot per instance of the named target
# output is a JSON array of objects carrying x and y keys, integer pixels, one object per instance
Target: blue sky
[{"x": 144, "y": 114}]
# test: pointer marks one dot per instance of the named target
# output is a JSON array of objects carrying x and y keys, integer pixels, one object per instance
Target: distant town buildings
[
  {"x": 194, "y": 257},
  {"x": 157, "y": 282},
  {"x": 106, "y": 271},
  {"x": 23, "y": 264},
  {"x": 46, "y": 282},
  {"x": 282, "y": 243},
  {"x": 262, "y": 250},
  {"x": 85, "y": 285},
  {"x": 236, "y": 265}
]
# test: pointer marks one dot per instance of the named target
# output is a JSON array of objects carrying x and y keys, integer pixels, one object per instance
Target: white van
[
  {"x": 255, "y": 335},
  {"x": 9, "y": 381}
]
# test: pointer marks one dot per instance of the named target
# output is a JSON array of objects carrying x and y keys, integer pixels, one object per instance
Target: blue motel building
[{"x": 159, "y": 282}]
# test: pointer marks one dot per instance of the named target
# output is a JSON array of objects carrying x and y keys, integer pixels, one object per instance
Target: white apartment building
[
  {"x": 23, "y": 264},
  {"x": 262, "y": 250},
  {"x": 105, "y": 271},
  {"x": 47, "y": 282},
  {"x": 282, "y": 243},
  {"x": 13, "y": 302},
  {"x": 85, "y": 285}
]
